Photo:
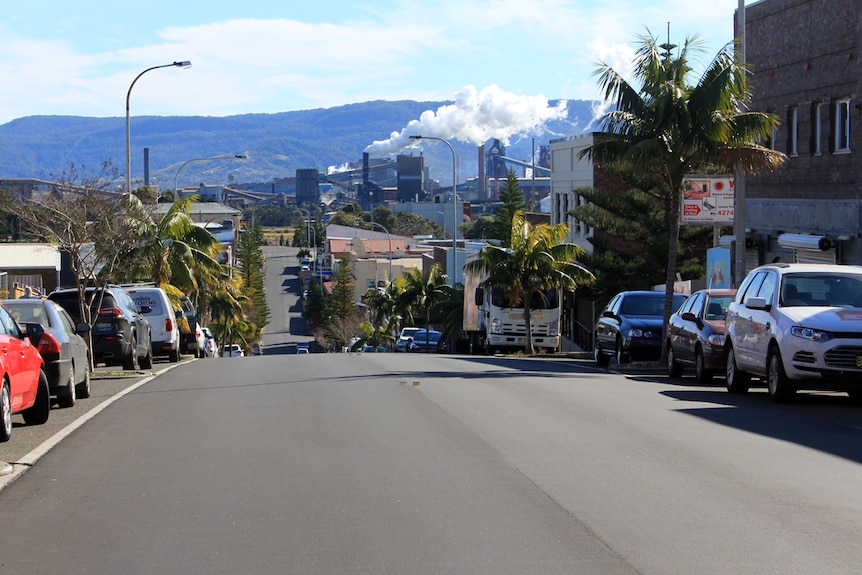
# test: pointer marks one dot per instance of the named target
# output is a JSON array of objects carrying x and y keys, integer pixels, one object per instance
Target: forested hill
[{"x": 277, "y": 144}]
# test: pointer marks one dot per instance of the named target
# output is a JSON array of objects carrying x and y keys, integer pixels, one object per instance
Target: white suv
[{"x": 798, "y": 326}]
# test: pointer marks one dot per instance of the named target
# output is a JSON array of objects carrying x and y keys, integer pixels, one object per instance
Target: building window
[
  {"x": 842, "y": 126},
  {"x": 818, "y": 118},
  {"x": 794, "y": 131}
]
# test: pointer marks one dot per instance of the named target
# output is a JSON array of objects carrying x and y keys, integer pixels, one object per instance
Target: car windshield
[{"x": 810, "y": 289}]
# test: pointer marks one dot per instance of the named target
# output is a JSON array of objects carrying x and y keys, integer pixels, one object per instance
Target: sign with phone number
[{"x": 707, "y": 200}]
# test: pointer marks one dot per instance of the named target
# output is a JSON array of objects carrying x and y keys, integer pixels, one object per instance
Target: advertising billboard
[{"x": 707, "y": 200}]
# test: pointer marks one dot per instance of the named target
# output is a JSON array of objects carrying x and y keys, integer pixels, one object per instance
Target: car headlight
[
  {"x": 810, "y": 333},
  {"x": 716, "y": 340},
  {"x": 639, "y": 333},
  {"x": 495, "y": 325}
]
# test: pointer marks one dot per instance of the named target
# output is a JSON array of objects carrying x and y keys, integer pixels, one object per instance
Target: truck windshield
[{"x": 540, "y": 300}]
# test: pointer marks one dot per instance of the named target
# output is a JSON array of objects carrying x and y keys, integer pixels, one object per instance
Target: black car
[
  {"x": 64, "y": 351},
  {"x": 630, "y": 327},
  {"x": 121, "y": 334}
]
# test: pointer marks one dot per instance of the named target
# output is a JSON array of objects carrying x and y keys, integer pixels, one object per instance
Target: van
[{"x": 164, "y": 327}]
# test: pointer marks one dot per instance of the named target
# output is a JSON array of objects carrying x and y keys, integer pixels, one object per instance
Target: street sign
[{"x": 707, "y": 200}]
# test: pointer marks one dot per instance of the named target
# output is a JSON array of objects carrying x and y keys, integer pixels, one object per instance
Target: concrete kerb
[{"x": 10, "y": 472}]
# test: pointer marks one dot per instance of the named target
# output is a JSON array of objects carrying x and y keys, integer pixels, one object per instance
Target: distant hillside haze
[{"x": 277, "y": 144}]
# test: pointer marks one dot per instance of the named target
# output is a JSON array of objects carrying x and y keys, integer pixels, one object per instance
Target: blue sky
[{"x": 59, "y": 57}]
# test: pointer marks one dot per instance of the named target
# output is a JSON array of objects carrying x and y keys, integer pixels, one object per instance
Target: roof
[
  {"x": 29, "y": 256},
  {"x": 342, "y": 245}
]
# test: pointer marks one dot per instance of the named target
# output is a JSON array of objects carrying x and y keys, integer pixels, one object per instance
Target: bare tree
[{"x": 94, "y": 225}]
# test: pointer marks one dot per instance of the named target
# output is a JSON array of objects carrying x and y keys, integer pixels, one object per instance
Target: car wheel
[
  {"x": 67, "y": 399},
  {"x": 620, "y": 356},
  {"x": 781, "y": 389},
  {"x": 83, "y": 390},
  {"x": 38, "y": 413},
  {"x": 5, "y": 413},
  {"x": 737, "y": 381},
  {"x": 147, "y": 360},
  {"x": 599, "y": 356},
  {"x": 674, "y": 369},
  {"x": 130, "y": 363},
  {"x": 174, "y": 355},
  {"x": 701, "y": 374}
]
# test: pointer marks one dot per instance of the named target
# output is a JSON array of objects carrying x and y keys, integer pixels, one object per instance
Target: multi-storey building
[{"x": 806, "y": 67}]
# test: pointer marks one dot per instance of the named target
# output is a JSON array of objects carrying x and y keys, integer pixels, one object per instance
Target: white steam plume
[{"x": 475, "y": 117}]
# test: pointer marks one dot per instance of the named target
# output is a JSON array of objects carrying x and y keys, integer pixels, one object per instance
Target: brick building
[{"x": 805, "y": 60}]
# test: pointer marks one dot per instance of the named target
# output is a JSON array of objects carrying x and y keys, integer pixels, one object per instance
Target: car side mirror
[
  {"x": 688, "y": 316},
  {"x": 756, "y": 303},
  {"x": 82, "y": 328},
  {"x": 608, "y": 313},
  {"x": 34, "y": 332}
]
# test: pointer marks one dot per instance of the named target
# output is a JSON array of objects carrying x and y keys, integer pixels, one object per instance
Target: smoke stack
[{"x": 483, "y": 190}]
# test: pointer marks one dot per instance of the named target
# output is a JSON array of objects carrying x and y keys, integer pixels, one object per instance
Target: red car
[
  {"x": 695, "y": 334},
  {"x": 24, "y": 382}
]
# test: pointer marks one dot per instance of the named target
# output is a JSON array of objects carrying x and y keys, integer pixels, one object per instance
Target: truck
[{"x": 492, "y": 322}]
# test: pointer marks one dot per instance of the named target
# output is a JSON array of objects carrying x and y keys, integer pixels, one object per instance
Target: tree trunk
[{"x": 673, "y": 248}]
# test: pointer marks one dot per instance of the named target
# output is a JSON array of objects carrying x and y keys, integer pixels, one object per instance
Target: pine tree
[{"x": 513, "y": 201}]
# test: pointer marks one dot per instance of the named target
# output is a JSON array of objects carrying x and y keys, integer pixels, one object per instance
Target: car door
[
  {"x": 22, "y": 380},
  {"x": 608, "y": 325},
  {"x": 690, "y": 328},
  {"x": 762, "y": 322},
  {"x": 742, "y": 318}
]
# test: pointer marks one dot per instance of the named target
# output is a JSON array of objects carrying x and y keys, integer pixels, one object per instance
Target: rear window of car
[{"x": 152, "y": 299}]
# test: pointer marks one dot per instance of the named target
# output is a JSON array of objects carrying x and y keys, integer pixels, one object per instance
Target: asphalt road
[{"x": 428, "y": 464}]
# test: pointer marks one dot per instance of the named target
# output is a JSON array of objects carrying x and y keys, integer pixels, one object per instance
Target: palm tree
[
  {"x": 421, "y": 291},
  {"x": 668, "y": 128},
  {"x": 448, "y": 312},
  {"x": 175, "y": 253},
  {"x": 538, "y": 260}
]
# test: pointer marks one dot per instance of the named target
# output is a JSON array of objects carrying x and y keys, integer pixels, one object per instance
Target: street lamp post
[
  {"x": 186, "y": 163},
  {"x": 388, "y": 237},
  {"x": 308, "y": 234},
  {"x": 454, "y": 199},
  {"x": 184, "y": 64}
]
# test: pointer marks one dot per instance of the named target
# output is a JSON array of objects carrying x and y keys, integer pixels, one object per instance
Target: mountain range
[{"x": 277, "y": 145}]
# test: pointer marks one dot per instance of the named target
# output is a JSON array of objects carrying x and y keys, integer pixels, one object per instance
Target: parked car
[
  {"x": 193, "y": 338},
  {"x": 232, "y": 350},
  {"x": 164, "y": 328},
  {"x": 796, "y": 326},
  {"x": 405, "y": 337},
  {"x": 64, "y": 352},
  {"x": 371, "y": 349},
  {"x": 426, "y": 341},
  {"x": 120, "y": 332},
  {"x": 630, "y": 327},
  {"x": 210, "y": 344},
  {"x": 302, "y": 351},
  {"x": 23, "y": 382},
  {"x": 695, "y": 334}
]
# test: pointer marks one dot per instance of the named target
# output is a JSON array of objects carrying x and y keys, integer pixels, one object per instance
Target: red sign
[{"x": 691, "y": 210}]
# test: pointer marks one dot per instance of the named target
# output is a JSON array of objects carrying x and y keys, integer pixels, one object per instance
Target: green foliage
[
  {"x": 479, "y": 229},
  {"x": 251, "y": 265},
  {"x": 341, "y": 321},
  {"x": 667, "y": 127},
  {"x": 538, "y": 259},
  {"x": 512, "y": 202},
  {"x": 315, "y": 306},
  {"x": 448, "y": 312}
]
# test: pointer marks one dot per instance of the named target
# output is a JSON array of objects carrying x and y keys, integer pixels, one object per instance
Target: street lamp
[
  {"x": 454, "y": 199},
  {"x": 308, "y": 233},
  {"x": 388, "y": 237},
  {"x": 186, "y": 163},
  {"x": 184, "y": 64}
]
